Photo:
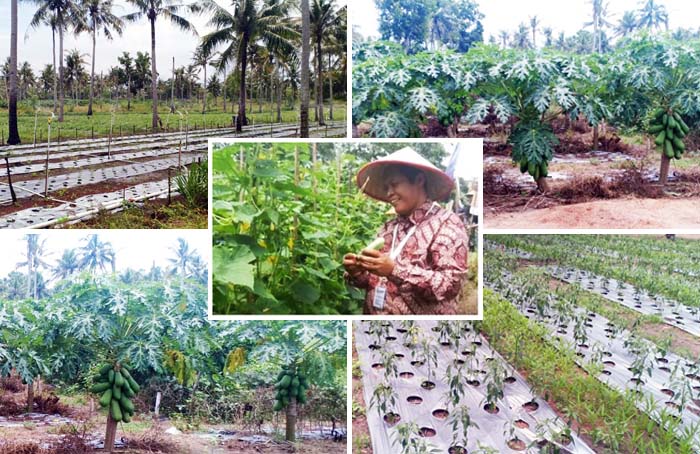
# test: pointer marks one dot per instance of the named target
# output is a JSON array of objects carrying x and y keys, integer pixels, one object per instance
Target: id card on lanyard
[{"x": 395, "y": 251}]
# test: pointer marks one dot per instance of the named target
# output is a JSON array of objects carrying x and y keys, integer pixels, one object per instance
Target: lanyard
[{"x": 396, "y": 249}]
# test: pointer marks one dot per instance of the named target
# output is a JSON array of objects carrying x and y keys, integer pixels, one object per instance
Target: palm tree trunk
[
  {"x": 172, "y": 90},
  {"x": 330, "y": 86},
  {"x": 204, "y": 92},
  {"x": 13, "y": 138},
  {"x": 55, "y": 72},
  {"x": 241, "y": 118},
  {"x": 154, "y": 77},
  {"x": 319, "y": 81},
  {"x": 224, "y": 90},
  {"x": 92, "y": 71},
  {"x": 128, "y": 94},
  {"x": 304, "y": 107},
  {"x": 61, "y": 88}
]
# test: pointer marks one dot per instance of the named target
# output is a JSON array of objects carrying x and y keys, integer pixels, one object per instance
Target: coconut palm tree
[
  {"x": 74, "y": 72},
  {"x": 33, "y": 261},
  {"x": 305, "y": 36},
  {"x": 534, "y": 23},
  {"x": 96, "y": 254},
  {"x": 152, "y": 10},
  {"x": 67, "y": 265},
  {"x": 521, "y": 40},
  {"x": 503, "y": 36},
  {"x": 547, "y": 32},
  {"x": 98, "y": 17},
  {"x": 183, "y": 257},
  {"x": 13, "y": 138},
  {"x": 626, "y": 25},
  {"x": 652, "y": 15},
  {"x": 202, "y": 58},
  {"x": 323, "y": 18},
  {"x": 598, "y": 21},
  {"x": 65, "y": 13},
  {"x": 249, "y": 22}
]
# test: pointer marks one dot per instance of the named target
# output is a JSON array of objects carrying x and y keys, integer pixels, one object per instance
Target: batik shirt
[{"x": 429, "y": 273}]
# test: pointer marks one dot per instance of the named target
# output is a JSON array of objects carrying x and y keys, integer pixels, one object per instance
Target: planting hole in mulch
[
  {"x": 672, "y": 405},
  {"x": 406, "y": 375},
  {"x": 390, "y": 338},
  {"x": 693, "y": 377},
  {"x": 583, "y": 345},
  {"x": 637, "y": 381},
  {"x": 427, "y": 385},
  {"x": 581, "y": 355},
  {"x": 609, "y": 363},
  {"x": 477, "y": 343},
  {"x": 427, "y": 432},
  {"x": 392, "y": 419},
  {"x": 665, "y": 369},
  {"x": 401, "y": 330},
  {"x": 565, "y": 439},
  {"x": 375, "y": 347},
  {"x": 516, "y": 444},
  {"x": 377, "y": 366},
  {"x": 417, "y": 363},
  {"x": 531, "y": 406},
  {"x": 474, "y": 383},
  {"x": 460, "y": 362},
  {"x": 492, "y": 409},
  {"x": 522, "y": 424},
  {"x": 561, "y": 331},
  {"x": 668, "y": 392},
  {"x": 415, "y": 400},
  {"x": 456, "y": 450},
  {"x": 662, "y": 360},
  {"x": 509, "y": 380},
  {"x": 467, "y": 353},
  {"x": 399, "y": 355},
  {"x": 441, "y": 414},
  {"x": 446, "y": 343},
  {"x": 608, "y": 354}
]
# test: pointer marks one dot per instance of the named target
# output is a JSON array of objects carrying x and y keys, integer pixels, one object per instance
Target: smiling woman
[{"x": 422, "y": 266}]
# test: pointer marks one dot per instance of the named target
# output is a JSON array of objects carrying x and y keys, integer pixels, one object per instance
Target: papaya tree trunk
[
  {"x": 111, "y": 433},
  {"x": 542, "y": 184},
  {"x": 30, "y": 397},
  {"x": 665, "y": 165},
  {"x": 290, "y": 433},
  {"x": 595, "y": 138}
]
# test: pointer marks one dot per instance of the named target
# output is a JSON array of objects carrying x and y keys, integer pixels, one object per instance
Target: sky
[
  {"x": 470, "y": 162},
  {"x": 567, "y": 16},
  {"x": 136, "y": 249},
  {"x": 170, "y": 41}
]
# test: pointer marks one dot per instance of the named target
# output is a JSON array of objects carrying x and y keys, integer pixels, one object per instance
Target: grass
[
  {"x": 153, "y": 215},
  {"x": 609, "y": 419},
  {"x": 77, "y": 124}
]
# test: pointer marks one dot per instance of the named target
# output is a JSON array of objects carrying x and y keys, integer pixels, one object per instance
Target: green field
[{"x": 77, "y": 124}]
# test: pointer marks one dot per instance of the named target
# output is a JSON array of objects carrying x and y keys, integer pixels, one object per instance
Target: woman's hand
[
  {"x": 351, "y": 264},
  {"x": 376, "y": 263}
]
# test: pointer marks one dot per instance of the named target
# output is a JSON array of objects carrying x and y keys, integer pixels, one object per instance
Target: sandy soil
[{"x": 605, "y": 214}]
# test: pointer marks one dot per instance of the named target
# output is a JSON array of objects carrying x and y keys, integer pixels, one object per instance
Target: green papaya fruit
[
  {"x": 678, "y": 154},
  {"x": 655, "y": 129},
  {"x": 99, "y": 388},
  {"x": 111, "y": 376},
  {"x": 118, "y": 379},
  {"x": 116, "y": 392},
  {"x": 659, "y": 113},
  {"x": 106, "y": 398},
  {"x": 104, "y": 370},
  {"x": 671, "y": 122},
  {"x": 126, "y": 417},
  {"x": 668, "y": 149},
  {"x": 277, "y": 406},
  {"x": 133, "y": 385},
  {"x": 678, "y": 144},
  {"x": 286, "y": 381},
  {"x": 669, "y": 133},
  {"x": 659, "y": 141},
  {"x": 665, "y": 119},
  {"x": 126, "y": 404},
  {"x": 116, "y": 411}
]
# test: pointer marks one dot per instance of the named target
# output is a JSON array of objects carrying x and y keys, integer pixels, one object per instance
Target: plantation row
[
  {"x": 657, "y": 274},
  {"x": 440, "y": 387},
  {"x": 648, "y": 83},
  {"x": 610, "y": 348}
]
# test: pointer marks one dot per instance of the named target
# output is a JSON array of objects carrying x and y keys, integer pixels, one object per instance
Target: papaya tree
[
  {"x": 665, "y": 75},
  {"x": 305, "y": 357}
]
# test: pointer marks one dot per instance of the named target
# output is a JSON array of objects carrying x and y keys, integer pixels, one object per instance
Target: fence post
[
  {"x": 76, "y": 133},
  {"x": 157, "y": 399},
  {"x": 92, "y": 132}
]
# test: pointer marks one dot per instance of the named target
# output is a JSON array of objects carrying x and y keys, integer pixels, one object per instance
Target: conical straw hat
[{"x": 438, "y": 184}]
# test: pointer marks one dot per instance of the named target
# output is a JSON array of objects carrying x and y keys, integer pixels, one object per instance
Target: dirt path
[{"x": 605, "y": 214}]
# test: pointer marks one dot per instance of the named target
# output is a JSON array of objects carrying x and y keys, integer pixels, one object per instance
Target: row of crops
[
  {"x": 648, "y": 83},
  {"x": 616, "y": 345}
]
